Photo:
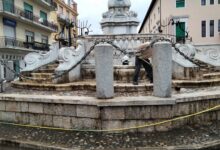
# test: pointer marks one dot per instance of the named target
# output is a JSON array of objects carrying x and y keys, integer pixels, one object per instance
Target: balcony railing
[
  {"x": 7, "y": 42},
  {"x": 7, "y": 7},
  {"x": 63, "y": 18},
  {"x": 50, "y": 2}
]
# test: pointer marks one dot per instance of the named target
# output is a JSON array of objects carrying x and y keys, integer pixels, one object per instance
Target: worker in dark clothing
[{"x": 144, "y": 52}]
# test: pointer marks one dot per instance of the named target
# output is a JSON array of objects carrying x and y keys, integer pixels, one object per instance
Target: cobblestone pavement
[
  {"x": 10, "y": 90},
  {"x": 187, "y": 135}
]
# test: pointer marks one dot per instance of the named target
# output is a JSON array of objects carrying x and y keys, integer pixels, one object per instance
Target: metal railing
[
  {"x": 10, "y": 8},
  {"x": 7, "y": 42}
]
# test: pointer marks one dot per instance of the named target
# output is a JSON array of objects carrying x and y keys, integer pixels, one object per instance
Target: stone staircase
[
  {"x": 43, "y": 75},
  {"x": 41, "y": 79}
]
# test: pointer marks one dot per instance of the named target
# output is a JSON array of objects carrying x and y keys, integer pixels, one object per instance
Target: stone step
[
  {"x": 42, "y": 75},
  {"x": 44, "y": 71},
  {"x": 39, "y": 81},
  {"x": 214, "y": 75},
  {"x": 121, "y": 73},
  {"x": 143, "y": 87}
]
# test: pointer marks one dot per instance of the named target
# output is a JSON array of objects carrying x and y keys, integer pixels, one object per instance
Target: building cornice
[{"x": 69, "y": 8}]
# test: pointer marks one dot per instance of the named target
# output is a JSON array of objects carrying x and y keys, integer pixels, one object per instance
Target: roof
[{"x": 153, "y": 2}]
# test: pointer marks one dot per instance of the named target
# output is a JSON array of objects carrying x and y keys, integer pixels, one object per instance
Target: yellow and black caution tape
[{"x": 119, "y": 129}]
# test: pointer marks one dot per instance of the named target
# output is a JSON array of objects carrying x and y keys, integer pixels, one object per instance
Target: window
[
  {"x": 203, "y": 28},
  {"x": 203, "y": 2},
  {"x": 212, "y": 2},
  {"x": 180, "y": 31},
  {"x": 8, "y": 5},
  {"x": 43, "y": 15},
  {"x": 219, "y": 25},
  {"x": 44, "y": 39},
  {"x": 212, "y": 28},
  {"x": 28, "y": 11},
  {"x": 180, "y": 3},
  {"x": 29, "y": 37}
]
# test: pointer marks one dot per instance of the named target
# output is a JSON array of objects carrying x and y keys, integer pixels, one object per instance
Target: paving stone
[
  {"x": 35, "y": 108},
  {"x": 2, "y": 106},
  {"x": 87, "y": 111},
  {"x": 13, "y": 106},
  {"x": 113, "y": 113},
  {"x": 140, "y": 112}
]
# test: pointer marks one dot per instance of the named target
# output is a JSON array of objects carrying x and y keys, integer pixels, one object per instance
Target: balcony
[
  {"x": 12, "y": 43},
  {"x": 62, "y": 18},
  {"x": 26, "y": 16},
  {"x": 47, "y": 4}
]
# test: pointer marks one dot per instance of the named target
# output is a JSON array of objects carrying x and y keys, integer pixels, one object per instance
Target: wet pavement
[{"x": 187, "y": 135}]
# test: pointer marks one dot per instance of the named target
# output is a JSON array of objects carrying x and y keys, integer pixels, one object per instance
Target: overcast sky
[{"x": 92, "y": 10}]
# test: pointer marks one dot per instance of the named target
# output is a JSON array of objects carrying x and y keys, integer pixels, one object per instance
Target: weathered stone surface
[
  {"x": 161, "y": 112},
  {"x": 53, "y": 109},
  {"x": 69, "y": 110},
  {"x": 58, "y": 121},
  {"x": 2, "y": 106},
  {"x": 24, "y": 107},
  {"x": 141, "y": 112},
  {"x": 162, "y": 69},
  {"x": 116, "y": 124},
  {"x": 7, "y": 116},
  {"x": 163, "y": 127},
  {"x": 22, "y": 118},
  {"x": 48, "y": 120},
  {"x": 181, "y": 109},
  {"x": 218, "y": 115},
  {"x": 104, "y": 71},
  {"x": 13, "y": 106},
  {"x": 145, "y": 129},
  {"x": 87, "y": 111},
  {"x": 85, "y": 123},
  {"x": 36, "y": 119},
  {"x": 130, "y": 124},
  {"x": 35, "y": 108},
  {"x": 113, "y": 113},
  {"x": 66, "y": 121}
]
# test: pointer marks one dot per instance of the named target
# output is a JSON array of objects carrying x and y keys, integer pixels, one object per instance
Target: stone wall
[{"x": 90, "y": 113}]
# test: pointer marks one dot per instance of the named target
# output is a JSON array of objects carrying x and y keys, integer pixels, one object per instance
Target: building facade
[
  {"x": 65, "y": 14},
  {"x": 199, "y": 19},
  {"x": 25, "y": 26}
]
